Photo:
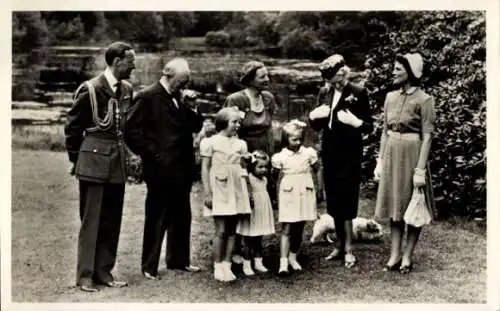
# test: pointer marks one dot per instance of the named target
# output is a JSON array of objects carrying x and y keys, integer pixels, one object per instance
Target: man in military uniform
[{"x": 94, "y": 140}]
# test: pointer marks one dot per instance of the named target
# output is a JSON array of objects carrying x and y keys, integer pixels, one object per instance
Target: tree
[{"x": 29, "y": 31}]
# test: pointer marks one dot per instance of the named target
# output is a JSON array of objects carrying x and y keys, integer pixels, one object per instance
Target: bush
[
  {"x": 303, "y": 43},
  {"x": 218, "y": 39}
]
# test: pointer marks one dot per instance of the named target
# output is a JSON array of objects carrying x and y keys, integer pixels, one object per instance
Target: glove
[
  {"x": 378, "y": 170},
  {"x": 346, "y": 117},
  {"x": 208, "y": 201},
  {"x": 72, "y": 170},
  {"x": 419, "y": 178},
  {"x": 322, "y": 111}
]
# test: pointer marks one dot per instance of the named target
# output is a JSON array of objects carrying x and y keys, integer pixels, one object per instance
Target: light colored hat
[
  {"x": 331, "y": 62},
  {"x": 416, "y": 63}
]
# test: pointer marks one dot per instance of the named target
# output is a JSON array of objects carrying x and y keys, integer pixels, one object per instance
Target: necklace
[{"x": 256, "y": 103}]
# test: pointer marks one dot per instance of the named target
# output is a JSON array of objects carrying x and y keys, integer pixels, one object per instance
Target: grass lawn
[{"x": 451, "y": 259}]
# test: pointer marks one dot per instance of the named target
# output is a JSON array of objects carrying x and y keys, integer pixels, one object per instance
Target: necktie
[{"x": 118, "y": 91}]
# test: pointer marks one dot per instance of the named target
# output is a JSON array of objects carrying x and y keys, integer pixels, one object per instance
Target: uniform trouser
[
  {"x": 168, "y": 210},
  {"x": 101, "y": 208}
]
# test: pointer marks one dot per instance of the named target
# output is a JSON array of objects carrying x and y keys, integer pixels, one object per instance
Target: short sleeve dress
[
  {"x": 229, "y": 189},
  {"x": 261, "y": 221},
  {"x": 410, "y": 114},
  {"x": 296, "y": 195}
]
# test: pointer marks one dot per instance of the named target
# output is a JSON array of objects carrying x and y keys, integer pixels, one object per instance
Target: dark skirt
[{"x": 342, "y": 183}]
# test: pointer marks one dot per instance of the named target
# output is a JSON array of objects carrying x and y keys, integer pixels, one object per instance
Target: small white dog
[{"x": 363, "y": 229}]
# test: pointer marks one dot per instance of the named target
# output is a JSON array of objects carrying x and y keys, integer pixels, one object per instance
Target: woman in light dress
[{"x": 402, "y": 163}]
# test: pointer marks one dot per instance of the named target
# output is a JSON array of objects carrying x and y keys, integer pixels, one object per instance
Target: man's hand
[{"x": 208, "y": 201}]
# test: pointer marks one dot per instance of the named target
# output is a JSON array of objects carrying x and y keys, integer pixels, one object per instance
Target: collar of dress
[{"x": 290, "y": 152}]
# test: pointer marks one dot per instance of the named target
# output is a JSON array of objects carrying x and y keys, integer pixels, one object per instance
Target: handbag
[{"x": 417, "y": 214}]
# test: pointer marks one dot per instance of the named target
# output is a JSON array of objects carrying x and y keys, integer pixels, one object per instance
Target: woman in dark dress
[
  {"x": 258, "y": 106},
  {"x": 342, "y": 114}
]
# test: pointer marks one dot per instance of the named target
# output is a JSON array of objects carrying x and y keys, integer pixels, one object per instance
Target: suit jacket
[
  {"x": 162, "y": 135},
  {"x": 99, "y": 155},
  {"x": 342, "y": 144}
]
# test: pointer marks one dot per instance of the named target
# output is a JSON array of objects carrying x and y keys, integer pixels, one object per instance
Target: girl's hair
[
  {"x": 291, "y": 128},
  {"x": 255, "y": 157},
  {"x": 222, "y": 118},
  {"x": 414, "y": 81}
]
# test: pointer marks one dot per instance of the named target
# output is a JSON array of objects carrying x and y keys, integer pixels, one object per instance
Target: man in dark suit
[
  {"x": 94, "y": 140},
  {"x": 343, "y": 115},
  {"x": 160, "y": 129}
]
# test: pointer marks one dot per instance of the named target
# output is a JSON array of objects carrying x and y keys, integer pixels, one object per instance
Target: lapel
[
  {"x": 341, "y": 103},
  {"x": 167, "y": 101},
  {"x": 105, "y": 85}
]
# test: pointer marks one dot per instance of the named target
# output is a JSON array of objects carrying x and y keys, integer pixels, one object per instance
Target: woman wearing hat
[
  {"x": 402, "y": 163},
  {"x": 258, "y": 106},
  {"x": 343, "y": 114}
]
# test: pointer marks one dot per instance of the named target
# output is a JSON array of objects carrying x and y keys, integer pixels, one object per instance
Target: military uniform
[{"x": 94, "y": 141}]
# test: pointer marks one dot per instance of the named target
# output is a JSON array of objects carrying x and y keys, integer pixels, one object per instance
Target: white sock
[
  {"x": 227, "y": 270},
  {"x": 259, "y": 266},
  {"x": 283, "y": 264},
  {"x": 247, "y": 268},
  {"x": 219, "y": 272},
  {"x": 292, "y": 257}
]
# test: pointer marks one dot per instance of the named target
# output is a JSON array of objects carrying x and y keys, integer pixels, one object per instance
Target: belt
[
  {"x": 405, "y": 136},
  {"x": 400, "y": 128}
]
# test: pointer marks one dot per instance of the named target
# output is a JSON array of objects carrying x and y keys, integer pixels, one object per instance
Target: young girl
[
  {"x": 296, "y": 195},
  {"x": 225, "y": 186},
  {"x": 261, "y": 221}
]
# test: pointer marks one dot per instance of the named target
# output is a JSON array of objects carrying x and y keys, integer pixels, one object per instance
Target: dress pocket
[
  {"x": 309, "y": 186},
  {"x": 286, "y": 195},
  {"x": 220, "y": 185}
]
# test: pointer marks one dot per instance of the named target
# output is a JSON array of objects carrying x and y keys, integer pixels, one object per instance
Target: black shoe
[
  {"x": 189, "y": 268},
  {"x": 114, "y": 283},
  {"x": 89, "y": 288},
  {"x": 395, "y": 267},
  {"x": 151, "y": 276},
  {"x": 405, "y": 269}
]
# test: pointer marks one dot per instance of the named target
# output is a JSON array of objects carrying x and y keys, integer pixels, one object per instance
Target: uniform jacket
[
  {"x": 162, "y": 135},
  {"x": 99, "y": 155}
]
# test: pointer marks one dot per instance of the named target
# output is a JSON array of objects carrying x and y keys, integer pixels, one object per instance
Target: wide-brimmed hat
[
  {"x": 415, "y": 63},
  {"x": 248, "y": 71}
]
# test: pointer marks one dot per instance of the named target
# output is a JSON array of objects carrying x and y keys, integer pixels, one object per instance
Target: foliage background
[{"x": 452, "y": 43}]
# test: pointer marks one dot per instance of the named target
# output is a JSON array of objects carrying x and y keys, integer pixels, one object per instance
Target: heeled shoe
[
  {"x": 336, "y": 254},
  {"x": 349, "y": 260},
  {"x": 394, "y": 267},
  {"x": 405, "y": 269}
]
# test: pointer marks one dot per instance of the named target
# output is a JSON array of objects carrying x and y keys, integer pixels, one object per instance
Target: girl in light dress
[
  {"x": 295, "y": 165},
  {"x": 261, "y": 221},
  {"x": 225, "y": 184}
]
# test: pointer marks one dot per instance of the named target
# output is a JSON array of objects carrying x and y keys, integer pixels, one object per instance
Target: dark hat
[{"x": 249, "y": 70}]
